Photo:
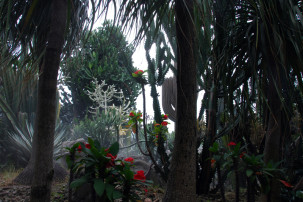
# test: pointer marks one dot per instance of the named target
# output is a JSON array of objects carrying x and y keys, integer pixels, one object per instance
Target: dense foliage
[{"x": 105, "y": 55}]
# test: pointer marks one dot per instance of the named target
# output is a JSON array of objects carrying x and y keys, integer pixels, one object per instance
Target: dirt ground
[{"x": 10, "y": 192}]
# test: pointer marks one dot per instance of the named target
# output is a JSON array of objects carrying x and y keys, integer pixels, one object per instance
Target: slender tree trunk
[
  {"x": 46, "y": 108},
  {"x": 181, "y": 185},
  {"x": 273, "y": 132},
  {"x": 205, "y": 178}
]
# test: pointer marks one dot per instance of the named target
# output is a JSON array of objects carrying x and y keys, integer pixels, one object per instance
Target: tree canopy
[{"x": 105, "y": 56}]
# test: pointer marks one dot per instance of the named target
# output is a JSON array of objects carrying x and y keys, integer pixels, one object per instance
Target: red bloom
[
  {"x": 164, "y": 123},
  {"x": 140, "y": 175},
  {"x": 231, "y": 144},
  {"x": 110, "y": 164},
  {"x": 129, "y": 159},
  {"x": 241, "y": 155},
  {"x": 212, "y": 161},
  {"x": 111, "y": 156},
  {"x": 87, "y": 146},
  {"x": 131, "y": 114},
  {"x": 79, "y": 148},
  {"x": 165, "y": 116},
  {"x": 286, "y": 184},
  {"x": 139, "y": 71},
  {"x": 145, "y": 190},
  {"x": 112, "y": 161},
  {"x": 157, "y": 136}
]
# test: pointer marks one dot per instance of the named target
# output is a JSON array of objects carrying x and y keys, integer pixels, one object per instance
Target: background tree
[{"x": 106, "y": 56}]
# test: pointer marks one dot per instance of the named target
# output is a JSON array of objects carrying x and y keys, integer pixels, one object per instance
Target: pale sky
[{"x": 139, "y": 62}]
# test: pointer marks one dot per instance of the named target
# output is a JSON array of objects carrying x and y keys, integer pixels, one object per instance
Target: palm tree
[
  {"x": 40, "y": 27},
  {"x": 265, "y": 41},
  {"x": 183, "y": 163},
  {"x": 184, "y": 154}
]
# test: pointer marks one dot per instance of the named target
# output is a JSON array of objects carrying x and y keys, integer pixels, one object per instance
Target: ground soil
[{"x": 10, "y": 192}]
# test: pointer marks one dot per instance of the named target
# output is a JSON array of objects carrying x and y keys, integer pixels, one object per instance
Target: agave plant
[
  {"x": 17, "y": 103},
  {"x": 21, "y": 138}
]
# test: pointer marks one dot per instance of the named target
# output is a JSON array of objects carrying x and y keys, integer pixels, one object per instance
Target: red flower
[
  {"x": 286, "y": 184},
  {"x": 241, "y": 155},
  {"x": 79, "y": 148},
  {"x": 110, "y": 164},
  {"x": 87, "y": 146},
  {"x": 212, "y": 161},
  {"x": 164, "y": 123},
  {"x": 165, "y": 116},
  {"x": 131, "y": 114},
  {"x": 111, "y": 156},
  {"x": 145, "y": 190},
  {"x": 129, "y": 159},
  {"x": 139, "y": 71},
  {"x": 157, "y": 136},
  {"x": 231, "y": 144},
  {"x": 140, "y": 175},
  {"x": 112, "y": 161}
]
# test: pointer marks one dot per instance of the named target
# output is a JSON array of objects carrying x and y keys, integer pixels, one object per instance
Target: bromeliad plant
[{"x": 109, "y": 177}]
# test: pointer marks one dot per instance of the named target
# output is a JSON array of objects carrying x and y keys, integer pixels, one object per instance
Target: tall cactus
[
  {"x": 157, "y": 69},
  {"x": 169, "y": 97}
]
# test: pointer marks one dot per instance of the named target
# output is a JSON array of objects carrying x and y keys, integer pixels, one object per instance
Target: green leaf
[
  {"x": 114, "y": 148},
  {"x": 249, "y": 172},
  {"x": 99, "y": 186},
  {"x": 117, "y": 194},
  {"x": 97, "y": 144},
  {"x": 69, "y": 162},
  {"x": 90, "y": 141},
  {"x": 299, "y": 194},
  {"x": 109, "y": 191},
  {"x": 129, "y": 175},
  {"x": 214, "y": 148},
  {"x": 78, "y": 182}
]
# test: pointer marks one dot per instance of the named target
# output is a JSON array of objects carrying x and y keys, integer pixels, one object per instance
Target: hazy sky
[{"x": 139, "y": 62}]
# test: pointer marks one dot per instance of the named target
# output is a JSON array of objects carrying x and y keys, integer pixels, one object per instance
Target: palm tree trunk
[
  {"x": 181, "y": 185},
  {"x": 273, "y": 132},
  {"x": 46, "y": 108}
]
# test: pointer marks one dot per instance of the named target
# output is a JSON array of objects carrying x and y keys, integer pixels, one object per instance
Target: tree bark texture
[
  {"x": 46, "y": 108},
  {"x": 181, "y": 185},
  {"x": 273, "y": 132},
  {"x": 206, "y": 174}
]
